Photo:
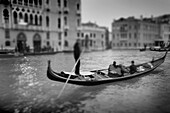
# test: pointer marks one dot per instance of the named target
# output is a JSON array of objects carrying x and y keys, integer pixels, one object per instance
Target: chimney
[
  {"x": 152, "y": 17},
  {"x": 141, "y": 17}
]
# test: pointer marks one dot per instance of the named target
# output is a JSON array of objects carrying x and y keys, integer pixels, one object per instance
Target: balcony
[
  {"x": 17, "y": 26},
  {"x": 65, "y": 27},
  {"x": 79, "y": 28},
  {"x": 123, "y": 39},
  {"x": 6, "y": 26},
  {"x": 65, "y": 10},
  {"x": 78, "y": 12}
]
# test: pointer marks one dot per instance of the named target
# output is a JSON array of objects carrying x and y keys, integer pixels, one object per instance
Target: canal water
[{"x": 24, "y": 87}]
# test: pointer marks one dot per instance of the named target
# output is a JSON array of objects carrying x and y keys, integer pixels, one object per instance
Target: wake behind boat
[{"x": 98, "y": 77}]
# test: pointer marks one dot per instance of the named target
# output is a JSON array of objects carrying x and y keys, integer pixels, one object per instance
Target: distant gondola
[
  {"x": 98, "y": 77},
  {"x": 41, "y": 53},
  {"x": 9, "y": 54},
  {"x": 142, "y": 49},
  {"x": 159, "y": 50}
]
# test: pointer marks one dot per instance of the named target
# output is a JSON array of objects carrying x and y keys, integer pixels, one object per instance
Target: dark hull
[
  {"x": 10, "y": 56},
  {"x": 40, "y": 53},
  {"x": 60, "y": 77},
  {"x": 142, "y": 49}
]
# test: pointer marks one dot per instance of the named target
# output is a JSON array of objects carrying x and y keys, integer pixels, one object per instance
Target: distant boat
[
  {"x": 9, "y": 54},
  {"x": 99, "y": 77},
  {"x": 41, "y": 53},
  {"x": 142, "y": 49},
  {"x": 160, "y": 49}
]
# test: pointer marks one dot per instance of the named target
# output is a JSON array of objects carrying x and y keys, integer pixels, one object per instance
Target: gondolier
[{"x": 77, "y": 52}]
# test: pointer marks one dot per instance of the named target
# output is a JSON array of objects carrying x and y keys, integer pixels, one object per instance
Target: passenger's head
[
  {"x": 114, "y": 63},
  {"x": 132, "y": 62}
]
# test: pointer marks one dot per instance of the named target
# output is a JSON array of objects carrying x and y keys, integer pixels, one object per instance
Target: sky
[{"x": 103, "y": 12}]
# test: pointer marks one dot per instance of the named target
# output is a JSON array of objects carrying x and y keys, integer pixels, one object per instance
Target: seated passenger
[
  {"x": 132, "y": 68},
  {"x": 123, "y": 69},
  {"x": 114, "y": 69}
]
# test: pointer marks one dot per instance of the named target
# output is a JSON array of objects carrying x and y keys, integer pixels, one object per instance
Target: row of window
[
  {"x": 28, "y": 2},
  {"x": 8, "y": 43},
  {"x": 130, "y": 44},
  {"x": 29, "y": 18},
  {"x": 85, "y": 43},
  {"x": 125, "y": 35},
  {"x": 33, "y": 19},
  {"x": 91, "y": 35},
  {"x": 167, "y": 28},
  {"x": 7, "y": 34},
  {"x": 135, "y": 35},
  {"x": 124, "y": 28},
  {"x": 39, "y": 3}
]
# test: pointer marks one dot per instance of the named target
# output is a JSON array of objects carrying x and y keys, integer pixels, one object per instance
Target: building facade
[
  {"x": 92, "y": 36},
  {"x": 39, "y": 24},
  {"x": 134, "y": 33},
  {"x": 165, "y": 33}
]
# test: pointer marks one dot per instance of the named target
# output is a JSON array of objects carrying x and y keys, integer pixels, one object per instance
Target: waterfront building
[
  {"x": 165, "y": 33},
  {"x": 92, "y": 36},
  {"x": 39, "y": 24},
  {"x": 134, "y": 33}
]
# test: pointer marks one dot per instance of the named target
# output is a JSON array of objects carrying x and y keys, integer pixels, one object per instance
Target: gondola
[
  {"x": 142, "y": 49},
  {"x": 99, "y": 77},
  {"x": 7, "y": 54},
  {"x": 41, "y": 53}
]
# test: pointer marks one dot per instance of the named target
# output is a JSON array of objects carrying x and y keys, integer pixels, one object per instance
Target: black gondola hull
[{"x": 60, "y": 76}]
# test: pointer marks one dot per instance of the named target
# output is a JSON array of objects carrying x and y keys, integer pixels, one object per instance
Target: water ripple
[{"x": 24, "y": 87}]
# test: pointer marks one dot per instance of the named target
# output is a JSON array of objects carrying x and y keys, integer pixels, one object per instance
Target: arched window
[
  {"x": 59, "y": 43},
  {"x": 47, "y": 2},
  {"x": 26, "y": 17},
  {"x": 14, "y": 1},
  {"x": 36, "y": 2},
  {"x": 65, "y": 33},
  {"x": 6, "y": 15},
  {"x": 59, "y": 3},
  {"x": 7, "y": 33},
  {"x": 40, "y": 20},
  {"x": 59, "y": 23},
  {"x": 20, "y": 16},
  {"x": 36, "y": 20},
  {"x": 40, "y": 2},
  {"x": 31, "y": 19},
  {"x": 65, "y": 20},
  {"x": 20, "y": 2},
  {"x": 78, "y": 22},
  {"x": 66, "y": 43},
  {"x": 65, "y": 3},
  {"x": 26, "y": 2},
  {"x": 91, "y": 43},
  {"x": 15, "y": 17},
  {"x": 78, "y": 6},
  {"x": 30, "y": 2},
  {"x": 47, "y": 21},
  {"x": 48, "y": 43}
]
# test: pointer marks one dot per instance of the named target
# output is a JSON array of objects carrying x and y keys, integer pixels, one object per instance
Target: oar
[
  {"x": 99, "y": 70},
  {"x": 69, "y": 75}
]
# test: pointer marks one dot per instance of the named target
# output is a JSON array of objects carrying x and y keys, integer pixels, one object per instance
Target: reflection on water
[{"x": 24, "y": 87}]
